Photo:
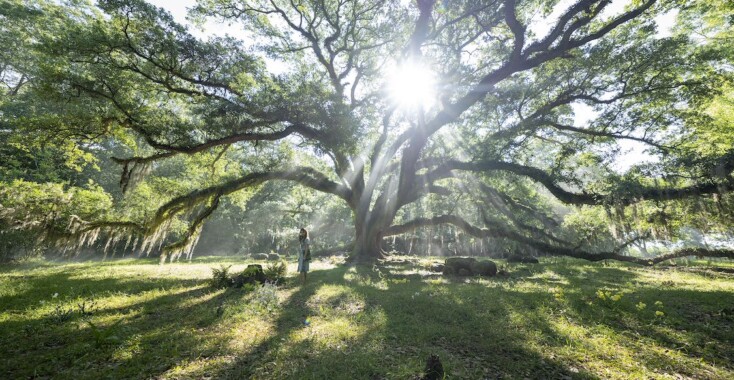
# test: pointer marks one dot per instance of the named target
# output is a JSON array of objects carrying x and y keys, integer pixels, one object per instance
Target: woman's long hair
[{"x": 302, "y": 235}]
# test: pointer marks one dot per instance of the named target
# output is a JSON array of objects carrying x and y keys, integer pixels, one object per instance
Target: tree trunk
[
  {"x": 368, "y": 237},
  {"x": 367, "y": 245}
]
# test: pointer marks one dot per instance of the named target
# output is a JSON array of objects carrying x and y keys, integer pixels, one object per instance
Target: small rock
[
  {"x": 484, "y": 268},
  {"x": 436, "y": 268},
  {"x": 259, "y": 256},
  {"x": 273, "y": 257}
]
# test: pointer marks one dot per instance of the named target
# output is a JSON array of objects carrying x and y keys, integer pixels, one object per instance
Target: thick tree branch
[
  {"x": 560, "y": 26},
  {"x": 495, "y": 231},
  {"x": 626, "y": 197},
  {"x": 518, "y": 30},
  {"x": 305, "y": 176},
  {"x": 231, "y": 139},
  {"x": 591, "y": 132},
  {"x": 422, "y": 27}
]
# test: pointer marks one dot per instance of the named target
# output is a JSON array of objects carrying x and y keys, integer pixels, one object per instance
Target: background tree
[{"x": 493, "y": 121}]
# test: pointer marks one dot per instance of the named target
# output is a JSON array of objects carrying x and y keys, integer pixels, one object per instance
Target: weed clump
[
  {"x": 275, "y": 272},
  {"x": 62, "y": 314},
  {"x": 104, "y": 336},
  {"x": 220, "y": 277},
  {"x": 253, "y": 275}
]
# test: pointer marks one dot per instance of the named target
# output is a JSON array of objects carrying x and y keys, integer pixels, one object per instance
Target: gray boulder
[
  {"x": 468, "y": 266},
  {"x": 273, "y": 257},
  {"x": 452, "y": 265},
  {"x": 259, "y": 256},
  {"x": 484, "y": 268}
]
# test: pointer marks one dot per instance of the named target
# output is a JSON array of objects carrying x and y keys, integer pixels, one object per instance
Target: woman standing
[{"x": 304, "y": 254}]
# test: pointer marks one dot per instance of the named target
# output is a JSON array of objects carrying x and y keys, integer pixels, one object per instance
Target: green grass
[{"x": 144, "y": 320}]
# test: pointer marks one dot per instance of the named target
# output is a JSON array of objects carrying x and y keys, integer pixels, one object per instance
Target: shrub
[
  {"x": 220, "y": 277},
  {"x": 276, "y": 272}
]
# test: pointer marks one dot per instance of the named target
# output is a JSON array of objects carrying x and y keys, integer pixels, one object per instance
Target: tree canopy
[{"x": 504, "y": 119}]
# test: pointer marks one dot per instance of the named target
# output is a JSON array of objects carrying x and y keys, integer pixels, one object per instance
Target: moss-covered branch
[
  {"x": 627, "y": 197},
  {"x": 496, "y": 231}
]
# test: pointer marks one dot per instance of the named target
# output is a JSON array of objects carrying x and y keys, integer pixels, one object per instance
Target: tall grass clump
[
  {"x": 275, "y": 272},
  {"x": 220, "y": 277}
]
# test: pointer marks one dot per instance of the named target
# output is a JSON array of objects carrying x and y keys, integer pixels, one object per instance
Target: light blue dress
[{"x": 302, "y": 263}]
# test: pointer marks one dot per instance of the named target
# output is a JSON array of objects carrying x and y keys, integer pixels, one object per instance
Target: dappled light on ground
[{"x": 565, "y": 319}]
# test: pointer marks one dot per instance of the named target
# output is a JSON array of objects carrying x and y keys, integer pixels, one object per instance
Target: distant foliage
[{"x": 31, "y": 213}]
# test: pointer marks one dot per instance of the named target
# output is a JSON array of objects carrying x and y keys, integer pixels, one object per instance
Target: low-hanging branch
[
  {"x": 152, "y": 230},
  {"x": 495, "y": 231},
  {"x": 82, "y": 226},
  {"x": 549, "y": 182},
  {"x": 191, "y": 236},
  {"x": 493, "y": 198},
  {"x": 526, "y": 208}
]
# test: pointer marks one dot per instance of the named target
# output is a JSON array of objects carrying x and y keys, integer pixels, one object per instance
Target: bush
[
  {"x": 220, "y": 277},
  {"x": 18, "y": 244},
  {"x": 275, "y": 272}
]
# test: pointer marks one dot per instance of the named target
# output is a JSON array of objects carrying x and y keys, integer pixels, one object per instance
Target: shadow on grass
[
  {"x": 403, "y": 324},
  {"x": 368, "y": 323},
  {"x": 154, "y": 333},
  {"x": 693, "y": 335}
]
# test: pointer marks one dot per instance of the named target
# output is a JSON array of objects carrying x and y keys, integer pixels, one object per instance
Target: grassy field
[{"x": 560, "y": 319}]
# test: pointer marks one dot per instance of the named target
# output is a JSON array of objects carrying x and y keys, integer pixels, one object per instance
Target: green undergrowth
[{"x": 556, "y": 320}]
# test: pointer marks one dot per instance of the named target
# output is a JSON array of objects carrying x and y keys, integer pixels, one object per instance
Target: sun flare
[{"x": 412, "y": 85}]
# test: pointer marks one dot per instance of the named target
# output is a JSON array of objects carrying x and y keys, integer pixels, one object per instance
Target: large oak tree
[{"x": 502, "y": 82}]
